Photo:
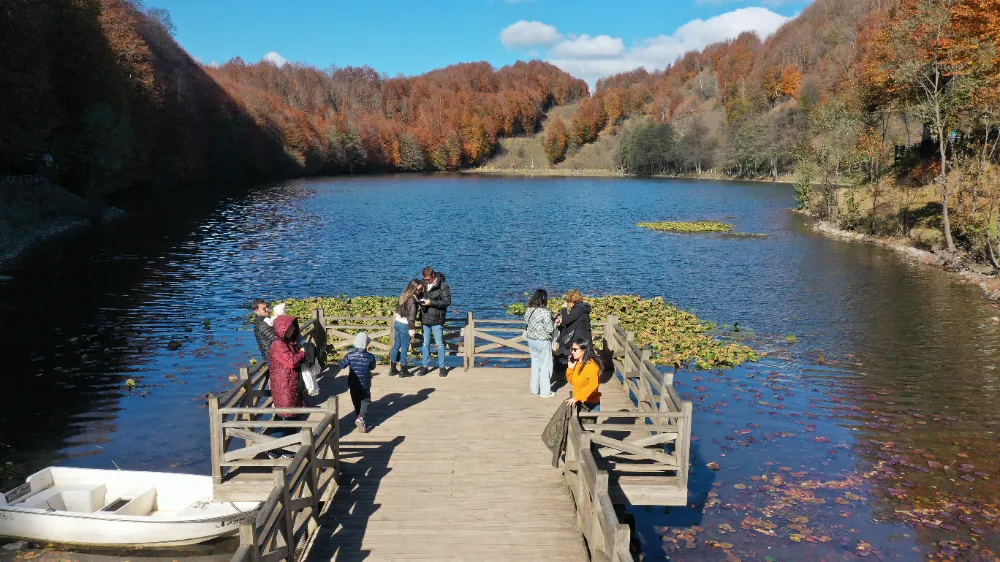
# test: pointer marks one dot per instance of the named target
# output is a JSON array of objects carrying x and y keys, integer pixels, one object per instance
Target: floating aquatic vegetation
[
  {"x": 674, "y": 337},
  {"x": 687, "y": 227}
]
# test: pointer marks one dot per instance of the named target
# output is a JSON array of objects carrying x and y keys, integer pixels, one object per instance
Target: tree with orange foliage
[
  {"x": 791, "y": 81},
  {"x": 588, "y": 121},
  {"x": 555, "y": 141},
  {"x": 926, "y": 74}
]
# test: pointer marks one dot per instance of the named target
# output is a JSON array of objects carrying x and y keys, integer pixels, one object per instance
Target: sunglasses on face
[{"x": 575, "y": 349}]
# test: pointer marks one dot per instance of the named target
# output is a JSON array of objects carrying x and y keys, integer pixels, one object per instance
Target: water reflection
[{"x": 894, "y": 361}]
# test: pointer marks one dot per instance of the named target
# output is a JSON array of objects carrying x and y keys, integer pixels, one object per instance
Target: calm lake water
[{"x": 873, "y": 435}]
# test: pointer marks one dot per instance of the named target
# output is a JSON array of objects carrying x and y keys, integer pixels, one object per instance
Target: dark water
[{"x": 871, "y": 420}]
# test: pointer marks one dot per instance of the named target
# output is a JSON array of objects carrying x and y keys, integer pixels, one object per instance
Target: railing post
[
  {"x": 312, "y": 479},
  {"x": 248, "y": 537},
  {"x": 629, "y": 364},
  {"x": 611, "y": 333},
  {"x": 336, "y": 439},
  {"x": 645, "y": 387},
  {"x": 244, "y": 373},
  {"x": 470, "y": 342},
  {"x": 216, "y": 439},
  {"x": 684, "y": 443},
  {"x": 392, "y": 341},
  {"x": 288, "y": 526}
]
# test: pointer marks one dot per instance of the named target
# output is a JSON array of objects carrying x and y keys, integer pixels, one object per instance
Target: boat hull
[{"x": 80, "y": 529}]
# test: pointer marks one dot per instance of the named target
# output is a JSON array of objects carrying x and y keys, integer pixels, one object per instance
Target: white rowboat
[{"x": 118, "y": 508}]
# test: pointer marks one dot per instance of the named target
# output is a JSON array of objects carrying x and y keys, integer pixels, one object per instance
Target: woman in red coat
[{"x": 285, "y": 363}]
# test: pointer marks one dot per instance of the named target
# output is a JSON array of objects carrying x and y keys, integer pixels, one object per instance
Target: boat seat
[
  {"x": 78, "y": 499},
  {"x": 142, "y": 502}
]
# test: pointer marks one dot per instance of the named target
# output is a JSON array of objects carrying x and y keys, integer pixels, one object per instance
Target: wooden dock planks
[{"x": 454, "y": 469}]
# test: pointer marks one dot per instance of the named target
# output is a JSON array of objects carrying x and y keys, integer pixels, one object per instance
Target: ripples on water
[{"x": 907, "y": 377}]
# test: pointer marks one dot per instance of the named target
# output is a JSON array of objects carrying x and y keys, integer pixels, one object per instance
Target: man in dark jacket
[
  {"x": 261, "y": 329},
  {"x": 433, "y": 309}
]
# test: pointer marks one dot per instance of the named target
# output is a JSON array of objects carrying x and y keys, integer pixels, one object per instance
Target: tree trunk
[{"x": 945, "y": 222}]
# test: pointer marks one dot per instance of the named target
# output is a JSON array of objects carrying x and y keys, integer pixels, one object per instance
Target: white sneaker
[{"x": 549, "y": 395}]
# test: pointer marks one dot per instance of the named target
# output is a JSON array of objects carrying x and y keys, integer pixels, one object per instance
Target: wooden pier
[{"x": 454, "y": 468}]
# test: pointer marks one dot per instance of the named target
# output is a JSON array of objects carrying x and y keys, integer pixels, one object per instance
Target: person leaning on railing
[{"x": 583, "y": 373}]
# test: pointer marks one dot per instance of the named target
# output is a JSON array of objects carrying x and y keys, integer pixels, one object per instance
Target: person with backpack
[
  {"x": 433, "y": 310},
  {"x": 360, "y": 363},
  {"x": 538, "y": 332}
]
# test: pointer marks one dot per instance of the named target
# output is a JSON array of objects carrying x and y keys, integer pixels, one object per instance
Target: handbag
[
  {"x": 309, "y": 373},
  {"x": 524, "y": 332}
]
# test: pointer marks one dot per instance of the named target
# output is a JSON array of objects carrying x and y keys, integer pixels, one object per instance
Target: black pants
[{"x": 361, "y": 396}]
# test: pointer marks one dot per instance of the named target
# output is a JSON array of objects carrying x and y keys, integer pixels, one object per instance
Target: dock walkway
[{"x": 454, "y": 469}]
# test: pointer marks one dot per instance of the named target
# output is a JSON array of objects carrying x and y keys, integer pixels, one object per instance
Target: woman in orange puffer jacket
[{"x": 583, "y": 372}]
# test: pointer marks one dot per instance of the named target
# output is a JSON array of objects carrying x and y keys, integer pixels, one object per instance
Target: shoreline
[
  {"x": 957, "y": 266},
  {"x": 36, "y": 236},
  {"x": 605, "y": 173}
]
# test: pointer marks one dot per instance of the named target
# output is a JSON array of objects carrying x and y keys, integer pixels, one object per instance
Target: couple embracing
[{"x": 430, "y": 298}]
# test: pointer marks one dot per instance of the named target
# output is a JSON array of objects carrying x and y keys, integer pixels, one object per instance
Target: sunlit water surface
[{"x": 873, "y": 434}]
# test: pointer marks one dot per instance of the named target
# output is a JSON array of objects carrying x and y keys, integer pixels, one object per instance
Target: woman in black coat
[{"x": 573, "y": 321}]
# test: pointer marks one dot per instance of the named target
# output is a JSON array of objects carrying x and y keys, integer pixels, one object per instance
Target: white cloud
[
  {"x": 587, "y": 47},
  {"x": 529, "y": 34},
  {"x": 275, "y": 59},
  {"x": 592, "y": 58},
  {"x": 768, "y": 3}
]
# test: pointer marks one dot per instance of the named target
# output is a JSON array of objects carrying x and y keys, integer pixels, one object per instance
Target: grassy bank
[{"x": 908, "y": 219}]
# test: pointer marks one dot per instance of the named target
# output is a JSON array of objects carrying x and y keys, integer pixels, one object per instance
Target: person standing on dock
[
  {"x": 433, "y": 309},
  {"x": 285, "y": 364},
  {"x": 573, "y": 321},
  {"x": 538, "y": 332},
  {"x": 583, "y": 373},
  {"x": 261, "y": 329},
  {"x": 404, "y": 326},
  {"x": 360, "y": 363}
]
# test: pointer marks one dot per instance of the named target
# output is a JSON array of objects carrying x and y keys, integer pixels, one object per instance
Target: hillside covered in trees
[
  {"x": 891, "y": 107},
  {"x": 101, "y": 89}
]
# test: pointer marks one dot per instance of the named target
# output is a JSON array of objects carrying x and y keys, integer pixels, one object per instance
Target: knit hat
[{"x": 361, "y": 341}]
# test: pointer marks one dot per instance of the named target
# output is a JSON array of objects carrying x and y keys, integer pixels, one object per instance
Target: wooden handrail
[{"x": 291, "y": 511}]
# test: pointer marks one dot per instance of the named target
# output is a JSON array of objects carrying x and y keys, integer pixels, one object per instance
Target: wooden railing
[
  {"x": 300, "y": 473},
  {"x": 289, "y": 513},
  {"x": 607, "y": 538},
  {"x": 469, "y": 338},
  {"x": 660, "y": 429}
]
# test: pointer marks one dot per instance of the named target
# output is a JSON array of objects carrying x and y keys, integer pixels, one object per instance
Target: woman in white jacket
[{"x": 539, "y": 333}]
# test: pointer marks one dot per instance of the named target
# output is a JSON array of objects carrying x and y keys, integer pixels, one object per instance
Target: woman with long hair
[
  {"x": 538, "y": 332},
  {"x": 583, "y": 373},
  {"x": 404, "y": 326}
]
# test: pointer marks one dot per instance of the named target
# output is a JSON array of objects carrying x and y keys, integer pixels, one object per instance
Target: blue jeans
[
  {"x": 401, "y": 343},
  {"x": 541, "y": 366},
  {"x": 438, "y": 332},
  {"x": 595, "y": 407}
]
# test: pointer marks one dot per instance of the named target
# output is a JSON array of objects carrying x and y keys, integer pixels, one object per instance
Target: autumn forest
[{"x": 873, "y": 107}]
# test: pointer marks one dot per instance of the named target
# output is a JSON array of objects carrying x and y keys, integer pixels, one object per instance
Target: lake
[{"x": 873, "y": 434}]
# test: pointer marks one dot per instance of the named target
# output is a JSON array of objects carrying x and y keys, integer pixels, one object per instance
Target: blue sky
[{"x": 588, "y": 38}]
